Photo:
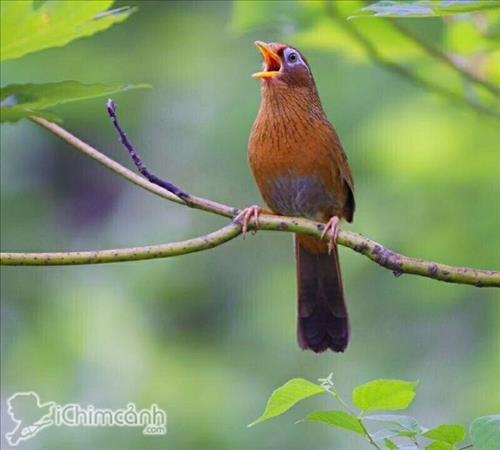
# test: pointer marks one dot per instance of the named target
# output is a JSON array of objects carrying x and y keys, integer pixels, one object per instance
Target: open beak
[{"x": 272, "y": 62}]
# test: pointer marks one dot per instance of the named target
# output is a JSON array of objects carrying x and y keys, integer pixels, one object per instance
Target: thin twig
[
  {"x": 359, "y": 417},
  {"x": 367, "y": 434},
  {"x": 170, "y": 187},
  {"x": 387, "y": 258},
  {"x": 86, "y": 149},
  {"x": 445, "y": 58},
  {"x": 400, "y": 70}
]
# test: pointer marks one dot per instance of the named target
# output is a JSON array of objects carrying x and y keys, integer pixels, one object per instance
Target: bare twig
[
  {"x": 396, "y": 262},
  {"x": 170, "y": 187},
  {"x": 86, "y": 149}
]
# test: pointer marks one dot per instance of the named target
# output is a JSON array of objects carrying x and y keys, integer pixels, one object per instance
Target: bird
[{"x": 301, "y": 170}]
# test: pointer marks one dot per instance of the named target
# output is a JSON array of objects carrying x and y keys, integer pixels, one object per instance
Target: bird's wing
[{"x": 341, "y": 165}]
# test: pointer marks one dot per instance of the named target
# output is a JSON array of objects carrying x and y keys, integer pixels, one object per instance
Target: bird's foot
[
  {"x": 244, "y": 217},
  {"x": 332, "y": 228}
]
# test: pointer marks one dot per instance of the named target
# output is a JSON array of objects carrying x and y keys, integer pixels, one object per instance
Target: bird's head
[{"x": 283, "y": 66}]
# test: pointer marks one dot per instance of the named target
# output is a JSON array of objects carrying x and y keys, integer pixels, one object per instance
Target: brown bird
[{"x": 301, "y": 170}]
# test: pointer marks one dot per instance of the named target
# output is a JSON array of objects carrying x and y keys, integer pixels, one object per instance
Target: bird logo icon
[{"x": 29, "y": 414}]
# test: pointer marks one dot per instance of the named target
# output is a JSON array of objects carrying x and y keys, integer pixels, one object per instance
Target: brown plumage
[{"x": 301, "y": 170}]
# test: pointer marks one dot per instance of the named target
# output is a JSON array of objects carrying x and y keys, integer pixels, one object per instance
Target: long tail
[{"x": 322, "y": 313}]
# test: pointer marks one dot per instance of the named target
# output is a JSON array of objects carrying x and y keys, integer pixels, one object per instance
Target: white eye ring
[{"x": 292, "y": 58}]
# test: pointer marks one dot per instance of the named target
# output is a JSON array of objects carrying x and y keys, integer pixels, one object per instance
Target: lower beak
[{"x": 272, "y": 62}]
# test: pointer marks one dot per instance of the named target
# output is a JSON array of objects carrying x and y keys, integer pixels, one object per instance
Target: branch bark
[
  {"x": 197, "y": 244},
  {"x": 397, "y": 263}
]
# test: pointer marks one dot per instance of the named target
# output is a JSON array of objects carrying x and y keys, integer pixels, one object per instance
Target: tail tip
[{"x": 336, "y": 344}]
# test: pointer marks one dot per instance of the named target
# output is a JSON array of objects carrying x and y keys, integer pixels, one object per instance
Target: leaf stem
[
  {"x": 367, "y": 434},
  {"x": 359, "y": 416}
]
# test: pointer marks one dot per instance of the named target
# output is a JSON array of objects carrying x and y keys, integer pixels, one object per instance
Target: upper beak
[{"x": 272, "y": 62}]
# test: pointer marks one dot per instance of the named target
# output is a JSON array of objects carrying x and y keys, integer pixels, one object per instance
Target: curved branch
[
  {"x": 197, "y": 244},
  {"x": 397, "y": 263}
]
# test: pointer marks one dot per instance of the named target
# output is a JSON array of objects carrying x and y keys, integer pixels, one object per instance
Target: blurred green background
[{"x": 208, "y": 336}]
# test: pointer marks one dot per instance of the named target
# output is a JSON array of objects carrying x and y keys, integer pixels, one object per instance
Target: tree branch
[
  {"x": 397, "y": 263},
  {"x": 197, "y": 244}
]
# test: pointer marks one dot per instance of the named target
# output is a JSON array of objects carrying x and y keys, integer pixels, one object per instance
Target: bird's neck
[
  {"x": 286, "y": 105},
  {"x": 288, "y": 118}
]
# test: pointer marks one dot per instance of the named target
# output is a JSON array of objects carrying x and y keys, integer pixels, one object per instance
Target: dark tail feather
[{"x": 322, "y": 313}]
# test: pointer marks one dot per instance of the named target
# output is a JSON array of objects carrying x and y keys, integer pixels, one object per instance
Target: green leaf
[
  {"x": 439, "y": 445},
  {"x": 339, "y": 419},
  {"x": 286, "y": 396},
  {"x": 451, "y": 433},
  {"x": 384, "y": 394},
  {"x": 390, "y": 445},
  {"x": 27, "y": 27},
  {"x": 485, "y": 433},
  {"x": 406, "y": 422},
  {"x": 424, "y": 8},
  {"x": 18, "y": 101}
]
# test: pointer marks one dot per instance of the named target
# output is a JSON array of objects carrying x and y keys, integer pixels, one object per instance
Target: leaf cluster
[
  {"x": 33, "y": 26},
  {"x": 390, "y": 431}
]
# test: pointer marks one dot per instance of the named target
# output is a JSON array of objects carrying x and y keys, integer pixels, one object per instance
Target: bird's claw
[
  {"x": 245, "y": 215},
  {"x": 332, "y": 228}
]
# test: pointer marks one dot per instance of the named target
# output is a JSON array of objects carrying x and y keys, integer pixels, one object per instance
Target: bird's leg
[
  {"x": 245, "y": 215},
  {"x": 332, "y": 228}
]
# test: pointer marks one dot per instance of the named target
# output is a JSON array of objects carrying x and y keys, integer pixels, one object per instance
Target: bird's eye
[{"x": 292, "y": 57}]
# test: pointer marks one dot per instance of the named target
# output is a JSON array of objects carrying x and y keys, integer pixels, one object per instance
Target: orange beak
[{"x": 272, "y": 62}]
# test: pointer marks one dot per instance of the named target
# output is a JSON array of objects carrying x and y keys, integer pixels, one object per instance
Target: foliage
[
  {"x": 23, "y": 100},
  {"x": 468, "y": 38},
  {"x": 283, "y": 398},
  {"x": 27, "y": 27},
  {"x": 394, "y": 431},
  {"x": 206, "y": 336},
  {"x": 424, "y": 8},
  {"x": 485, "y": 432}
]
